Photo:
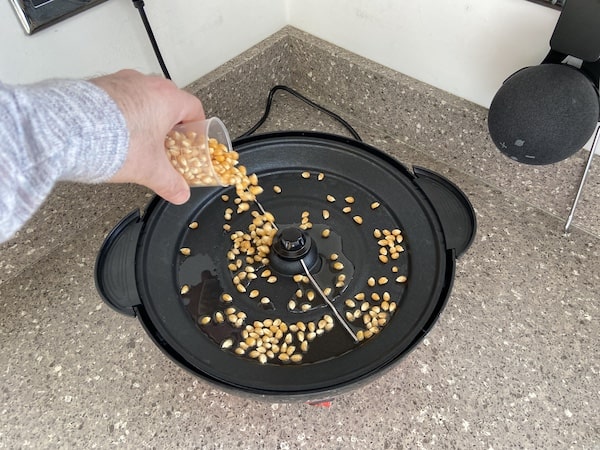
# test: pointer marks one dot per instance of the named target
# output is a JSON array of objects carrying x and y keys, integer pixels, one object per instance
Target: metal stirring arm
[
  {"x": 583, "y": 178},
  {"x": 329, "y": 303},
  {"x": 315, "y": 284}
]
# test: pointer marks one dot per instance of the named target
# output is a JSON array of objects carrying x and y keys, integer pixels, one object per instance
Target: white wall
[
  {"x": 194, "y": 37},
  {"x": 466, "y": 47}
]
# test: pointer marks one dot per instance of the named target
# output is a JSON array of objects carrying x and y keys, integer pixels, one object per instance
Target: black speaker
[{"x": 543, "y": 114}]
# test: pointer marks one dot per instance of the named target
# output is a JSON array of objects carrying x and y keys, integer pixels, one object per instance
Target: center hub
[{"x": 290, "y": 245}]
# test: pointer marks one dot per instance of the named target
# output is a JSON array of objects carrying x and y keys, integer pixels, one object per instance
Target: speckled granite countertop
[{"x": 512, "y": 363}]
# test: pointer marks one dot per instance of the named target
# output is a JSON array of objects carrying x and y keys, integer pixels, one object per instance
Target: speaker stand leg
[{"x": 583, "y": 178}]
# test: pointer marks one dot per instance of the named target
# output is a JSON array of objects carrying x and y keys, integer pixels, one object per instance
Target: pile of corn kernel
[
  {"x": 216, "y": 167},
  {"x": 274, "y": 339}
]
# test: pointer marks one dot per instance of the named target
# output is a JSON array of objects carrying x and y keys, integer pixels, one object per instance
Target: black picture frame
[
  {"x": 555, "y": 4},
  {"x": 35, "y": 15}
]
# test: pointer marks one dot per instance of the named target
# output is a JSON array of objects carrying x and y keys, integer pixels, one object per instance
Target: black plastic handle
[
  {"x": 115, "y": 265},
  {"x": 453, "y": 208}
]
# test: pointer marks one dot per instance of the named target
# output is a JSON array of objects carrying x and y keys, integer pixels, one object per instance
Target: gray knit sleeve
[{"x": 55, "y": 130}]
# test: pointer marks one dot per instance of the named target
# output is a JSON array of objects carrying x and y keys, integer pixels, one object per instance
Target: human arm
[{"x": 109, "y": 129}]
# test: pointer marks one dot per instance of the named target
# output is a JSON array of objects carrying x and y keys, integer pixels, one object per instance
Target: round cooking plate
[{"x": 333, "y": 359}]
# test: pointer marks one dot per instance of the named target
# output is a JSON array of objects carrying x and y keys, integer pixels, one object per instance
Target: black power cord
[
  {"x": 305, "y": 100},
  {"x": 139, "y": 4}
]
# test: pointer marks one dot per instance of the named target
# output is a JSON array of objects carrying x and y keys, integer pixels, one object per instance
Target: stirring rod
[
  {"x": 318, "y": 288},
  {"x": 329, "y": 303}
]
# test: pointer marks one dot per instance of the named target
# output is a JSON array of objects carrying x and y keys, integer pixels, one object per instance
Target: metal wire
[
  {"x": 583, "y": 179},
  {"x": 329, "y": 303},
  {"x": 316, "y": 285}
]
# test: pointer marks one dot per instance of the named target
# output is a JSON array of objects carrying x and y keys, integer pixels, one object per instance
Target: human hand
[{"x": 152, "y": 106}]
